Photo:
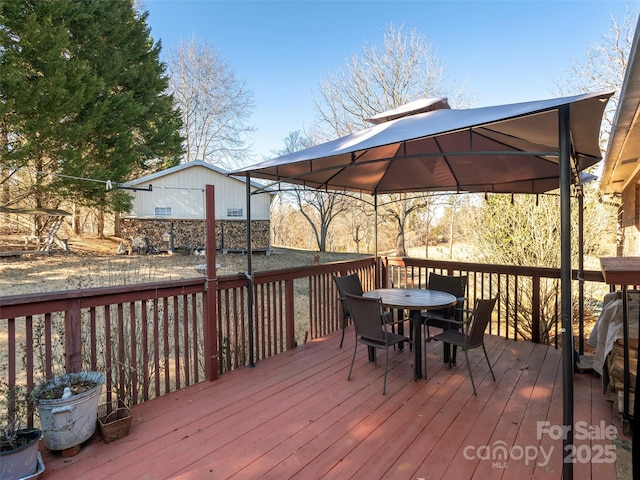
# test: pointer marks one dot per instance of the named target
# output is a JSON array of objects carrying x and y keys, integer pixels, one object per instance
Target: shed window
[
  {"x": 234, "y": 212},
  {"x": 162, "y": 211}
]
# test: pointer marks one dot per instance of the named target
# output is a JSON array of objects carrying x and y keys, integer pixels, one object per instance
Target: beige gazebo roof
[{"x": 506, "y": 148}]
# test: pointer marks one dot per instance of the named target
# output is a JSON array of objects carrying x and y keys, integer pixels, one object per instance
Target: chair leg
[
  {"x": 386, "y": 365},
  {"x": 344, "y": 326},
  {"x": 466, "y": 356},
  {"x": 487, "y": 357},
  {"x": 353, "y": 358},
  {"x": 424, "y": 352},
  {"x": 449, "y": 356}
]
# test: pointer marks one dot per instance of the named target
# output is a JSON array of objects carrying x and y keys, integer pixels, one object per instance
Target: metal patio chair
[
  {"x": 456, "y": 286},
  {"x": 347, "y": 284},
  {"x": 472, "y": 334},
  {"x": 371, "y": 329},
  {"x": 351, "y": 284}
]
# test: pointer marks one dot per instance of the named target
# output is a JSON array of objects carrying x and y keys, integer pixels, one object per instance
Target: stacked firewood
[
  {"x": 189, "y": 235},
  {"x": 616, "y": 371}
]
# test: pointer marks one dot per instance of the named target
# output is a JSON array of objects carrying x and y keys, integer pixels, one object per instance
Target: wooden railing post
[
  {"x": 210, "y": 324},
  {"x": 73, "y": 337},
  {"x": 289, "y": 309},
  {"x": 535, "y": 309},
  {"x": 381, "y": 266}
]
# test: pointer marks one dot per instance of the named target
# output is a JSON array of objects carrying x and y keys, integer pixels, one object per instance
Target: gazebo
[{"x": 530, "y": 147}]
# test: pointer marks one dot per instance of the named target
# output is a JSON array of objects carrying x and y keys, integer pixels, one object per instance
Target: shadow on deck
[{"x": 295, "y": 415}]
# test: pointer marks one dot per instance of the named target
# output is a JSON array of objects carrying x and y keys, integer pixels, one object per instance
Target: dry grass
[{"x": 93, "y": 263}]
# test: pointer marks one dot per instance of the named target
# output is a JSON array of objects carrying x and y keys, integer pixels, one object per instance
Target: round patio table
[{"x": 415, "y": 300}]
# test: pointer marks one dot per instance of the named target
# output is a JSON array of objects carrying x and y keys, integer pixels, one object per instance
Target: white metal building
[
  {"x": 179, "y": 193},
  {"x": 168, "y": 209}
]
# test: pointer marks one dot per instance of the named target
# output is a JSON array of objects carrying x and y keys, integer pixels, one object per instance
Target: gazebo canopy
[
  {"x": 530, "y": 147},
  {"x": 507, "y": 148}
]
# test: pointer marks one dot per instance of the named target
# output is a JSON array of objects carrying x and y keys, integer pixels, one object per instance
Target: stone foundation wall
[{"x": 189, "y": 235}]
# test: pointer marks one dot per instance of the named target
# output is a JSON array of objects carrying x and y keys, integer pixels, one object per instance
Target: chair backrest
[
  {"x": 366, "y": 314},
  {"x": 348, "y": 284},
  {"x": 455, "y": 285},
  {"x": 481, "y": 317}
]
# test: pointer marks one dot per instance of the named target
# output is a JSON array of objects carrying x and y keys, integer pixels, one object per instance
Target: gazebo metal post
[
  {"x": 565, "y": 287},
  {"x": 249, "y": 273},
  {"x": 377, "y": 280},
  {"x": 580, "y": 195}
]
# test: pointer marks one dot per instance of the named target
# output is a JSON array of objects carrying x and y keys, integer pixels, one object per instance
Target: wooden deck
[{"x": 295, "y": 415}]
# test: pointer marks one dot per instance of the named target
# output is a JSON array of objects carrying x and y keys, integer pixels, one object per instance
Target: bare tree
[
  {"x": 603, "y": 67},
  {"x": 524, "y": 230},
  {"x": 398, "y": 208},
  {"x": 427, "y": 221},
  {"x": 405, "y": 68},
  {"x": 318, "y": 208},
  {"x": 454, "y": 203},
  {"x": 215, "y": 105},
  {"x": 278, "y": 222},
  {"x": 359, "y": 221}
]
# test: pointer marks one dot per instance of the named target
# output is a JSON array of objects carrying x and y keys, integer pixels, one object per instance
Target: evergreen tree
[
  {"x": 42, "y": 91},
  {"x": 83, "y": 96}
]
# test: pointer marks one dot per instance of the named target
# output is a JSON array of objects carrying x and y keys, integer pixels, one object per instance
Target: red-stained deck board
[
  {"x": 322, "y": 418},
  {"x": 478, "y": 432},
  {"x": 553, "y": 469},
  {"x": 582, "y": 396},
  {"x": 157, "y": 421},
  {"x": 368, "y": 407},
  {"x": 528, "y": 440},
  {"x": 298, "y": 407},
  {"x": 449, "y": 401},
  {"x": 419, "y": 412},
  {"x": 295, "y": 415},
  {"x": 236, "y": 416},
  {"x": 389, "y": 416},
  {"x": 509, "y": 422},
  {"x": 448, "y": 459},
  {"x": 602, "y": 465}
]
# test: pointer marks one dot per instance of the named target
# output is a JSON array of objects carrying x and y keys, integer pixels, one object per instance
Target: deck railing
[
  {"x": 146, "y": 338},
  {"x": 290, "y": 306},
  {"x": 149, "y": 338},
  {"x": 528, "y": 305}
]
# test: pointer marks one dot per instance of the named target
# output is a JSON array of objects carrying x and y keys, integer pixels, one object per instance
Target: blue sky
[{"x": 505, "y": 51}]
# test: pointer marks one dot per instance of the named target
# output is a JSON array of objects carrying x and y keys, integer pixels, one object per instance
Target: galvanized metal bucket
[{"x": 67, "y": 422}]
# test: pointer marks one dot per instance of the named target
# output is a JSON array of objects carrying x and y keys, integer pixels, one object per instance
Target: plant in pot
[
  {"x": 68, "y": 407},
  {"x": 19, "y": 456}
]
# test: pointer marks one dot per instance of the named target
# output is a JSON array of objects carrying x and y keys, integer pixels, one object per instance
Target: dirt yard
[{"x": 93, "y": 263}]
